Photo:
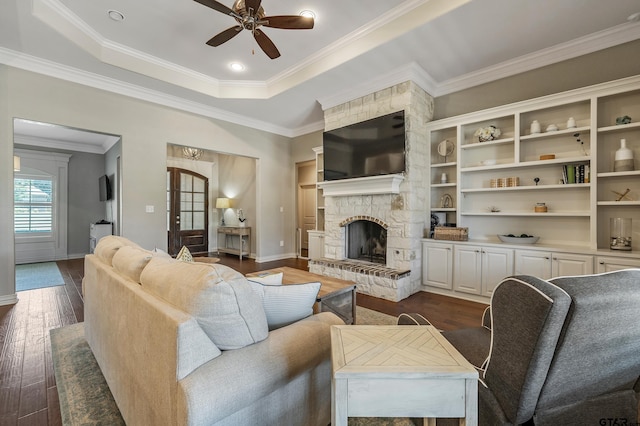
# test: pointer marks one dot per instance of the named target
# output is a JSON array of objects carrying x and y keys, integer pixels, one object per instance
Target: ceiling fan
[{"x": 250, "y": 15}]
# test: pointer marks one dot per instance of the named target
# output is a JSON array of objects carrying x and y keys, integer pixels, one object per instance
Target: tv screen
[
  {"x": 370, "y": 148},
  {"x": 104, "y": 188}
]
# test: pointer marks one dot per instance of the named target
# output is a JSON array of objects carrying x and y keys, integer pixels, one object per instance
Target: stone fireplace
[
  {"x": 397, "y": 203},
  {"x": 366, "y": 240}
]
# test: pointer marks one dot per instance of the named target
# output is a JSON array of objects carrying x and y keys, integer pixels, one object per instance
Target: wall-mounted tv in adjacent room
[
  {"x": 369, "y": 148},
  {"x": 104, "y": 188}
]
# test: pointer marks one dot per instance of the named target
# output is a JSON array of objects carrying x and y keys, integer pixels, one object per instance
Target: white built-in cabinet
[
  {"x": 493, "y": 187},
  {"x": 609, "y": 264},
  {"x": 545, "y": 265},
  {"x": 478, "y": 269},
  {"x": 437, "y": 265}
]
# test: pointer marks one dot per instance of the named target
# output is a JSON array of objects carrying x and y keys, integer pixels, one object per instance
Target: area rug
[
  {"x": 37, "y": 275},
  {"x": 366, "y": 316},
  {"x": 85, "y": 398}
]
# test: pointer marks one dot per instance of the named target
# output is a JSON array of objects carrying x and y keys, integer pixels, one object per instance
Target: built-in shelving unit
[{"x": 495, "y": 185}]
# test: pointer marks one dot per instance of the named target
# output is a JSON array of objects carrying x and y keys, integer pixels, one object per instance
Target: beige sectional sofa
[{"x": 184, "y": 343}]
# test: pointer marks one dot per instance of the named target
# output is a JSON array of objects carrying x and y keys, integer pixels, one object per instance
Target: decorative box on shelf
[{"x": 451, "y": 233}]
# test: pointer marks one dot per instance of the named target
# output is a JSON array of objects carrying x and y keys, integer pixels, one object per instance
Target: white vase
[
  {"x": 242, "y": 224},
  {"x": 571, "y": 123},
  {"x": 623, "y": 159},
  {"x": 535, "y": 127}
]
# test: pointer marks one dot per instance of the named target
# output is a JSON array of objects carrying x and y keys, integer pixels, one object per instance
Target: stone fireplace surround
[{"x": 399, "y": 201}]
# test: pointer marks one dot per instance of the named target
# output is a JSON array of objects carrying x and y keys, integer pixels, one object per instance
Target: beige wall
[
  {"x": 145, "y": 129},
  {"x": 598, "y": 67}
]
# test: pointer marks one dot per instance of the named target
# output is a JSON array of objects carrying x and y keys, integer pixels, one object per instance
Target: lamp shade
[
  {"x": 222, "y": 203},
  {"x": 16, "y": 163}
]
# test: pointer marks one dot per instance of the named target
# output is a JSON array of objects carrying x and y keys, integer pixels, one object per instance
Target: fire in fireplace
[{"x": 366, "y": 241}]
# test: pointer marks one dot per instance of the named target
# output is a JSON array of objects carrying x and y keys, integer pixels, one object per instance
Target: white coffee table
[{"x": 400, "y": 371}]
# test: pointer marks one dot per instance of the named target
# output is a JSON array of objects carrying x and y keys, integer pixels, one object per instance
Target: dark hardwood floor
[{"x": 28, "y": 393}]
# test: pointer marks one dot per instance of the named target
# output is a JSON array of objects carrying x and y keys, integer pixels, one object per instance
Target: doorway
[
  {"x": 306, "y": 206},
  {"x": 188, "y": 204}
]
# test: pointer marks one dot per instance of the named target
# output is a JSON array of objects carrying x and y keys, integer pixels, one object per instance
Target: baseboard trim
[{"x": 10, "y": 299}]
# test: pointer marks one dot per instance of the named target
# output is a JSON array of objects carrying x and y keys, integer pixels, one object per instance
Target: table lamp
[{"x": 222, "y": 203}]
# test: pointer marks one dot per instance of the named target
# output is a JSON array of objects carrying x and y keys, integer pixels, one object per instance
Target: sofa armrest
[{"x": 238, "y": 378}]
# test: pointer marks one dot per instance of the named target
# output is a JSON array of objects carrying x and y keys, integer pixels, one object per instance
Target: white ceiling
[{"x": 158, "y": 51}]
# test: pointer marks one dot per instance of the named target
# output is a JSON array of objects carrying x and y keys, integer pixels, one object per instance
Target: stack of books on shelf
[{"x": 575, "y": 173}]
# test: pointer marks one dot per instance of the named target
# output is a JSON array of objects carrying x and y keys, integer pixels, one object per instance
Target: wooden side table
[
  {"x": 244, "y": 240},
  {"x": 399, "y": 371}
]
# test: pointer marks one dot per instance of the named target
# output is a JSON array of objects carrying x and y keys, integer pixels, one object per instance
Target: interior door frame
[{"x": 177, "y": 238}]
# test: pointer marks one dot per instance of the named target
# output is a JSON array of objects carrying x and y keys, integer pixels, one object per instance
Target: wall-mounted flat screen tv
[
  {"x": 369, "y": 148},
  {"x": 104, "y": 188}
]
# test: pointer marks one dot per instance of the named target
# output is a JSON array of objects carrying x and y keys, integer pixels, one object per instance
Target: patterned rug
[
  {"x": 37, "y": 275},
  {"x": 84, "y": 395}
]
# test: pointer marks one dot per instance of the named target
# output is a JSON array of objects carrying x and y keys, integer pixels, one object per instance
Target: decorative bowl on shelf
[{"x": 518, "y": 239}]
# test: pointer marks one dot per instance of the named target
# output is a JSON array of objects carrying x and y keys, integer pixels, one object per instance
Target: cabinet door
[
  {"x": 567, "y": 264},
  {"x": 497, "y": 264},
  {"x": 535, "y": 263},
  {"x": 316, "y": 244},
  {"x": 467, "y": 269},
  {"x": 437, "y": 268},
  {"x": 610, "y": 264}
]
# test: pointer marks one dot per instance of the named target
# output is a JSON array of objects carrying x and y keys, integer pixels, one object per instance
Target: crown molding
[
  {"x": 60, "y": 144},
  {"x": 619, "y": 34},
  {"x": 407, "y": 16},
  {"x": 66, "y": 73}
]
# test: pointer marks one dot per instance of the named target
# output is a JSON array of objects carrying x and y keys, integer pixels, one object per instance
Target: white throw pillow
[
  {"x": 269, "y": 279},
  {"x": 286, "y": 304}
]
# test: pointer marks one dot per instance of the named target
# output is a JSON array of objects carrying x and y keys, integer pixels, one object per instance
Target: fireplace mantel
[{"x": 383, "y": 184}]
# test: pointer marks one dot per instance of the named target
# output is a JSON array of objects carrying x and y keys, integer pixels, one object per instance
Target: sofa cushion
[
  {"x": 184, "y": 254},
  {"x": 286, "y": 304},
  {"x": 109, "y": 245},
  {"x": 130, "y": 261},
  {"x": 269, "y": 279},
  {"x": 220, "y": 299}
]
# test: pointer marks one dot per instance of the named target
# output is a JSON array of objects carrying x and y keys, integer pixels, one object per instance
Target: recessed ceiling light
[
  {"x": 308, "y": 14},
  {"x": 115, "y": 15},
  {"x": 236, "y": 66},
  {"x": 634, "y": 17}
]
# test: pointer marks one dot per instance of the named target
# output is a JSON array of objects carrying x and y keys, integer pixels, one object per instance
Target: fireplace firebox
[{"x": 366, "y": 241}]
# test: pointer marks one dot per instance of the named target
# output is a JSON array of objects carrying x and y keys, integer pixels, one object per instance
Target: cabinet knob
[
  {"x": 555, "y": 258},
  {"x": 546, "y": 258},
  {"x": 602, "y": 263}
]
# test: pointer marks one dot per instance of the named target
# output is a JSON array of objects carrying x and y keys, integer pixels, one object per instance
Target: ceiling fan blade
[
  {"x": 266, "y": 44},
  {"x": 224, "y": 36},
  {"x": 252, "y": 4},
  {"x": 288, "y": 22},
  {"x": 213, "y": 4}
]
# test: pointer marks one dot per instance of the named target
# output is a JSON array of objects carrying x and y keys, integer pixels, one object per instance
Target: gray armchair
[{"x": 564, "y": 351}]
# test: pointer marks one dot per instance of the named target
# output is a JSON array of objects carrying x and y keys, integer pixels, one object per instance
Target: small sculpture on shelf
[
  {"x": 625, "y": 119},
  {"x": 622, "y": 196},
  {"x": 241, "y": 218},
  {"x": 536, "y": 180},
  {"x": 446, "y": 202}
]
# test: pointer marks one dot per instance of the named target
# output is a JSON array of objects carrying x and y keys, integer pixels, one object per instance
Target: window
[{"x": 33, "y": 205}]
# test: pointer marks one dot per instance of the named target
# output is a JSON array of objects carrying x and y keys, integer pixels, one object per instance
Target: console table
[{"x": 230, "y": 233}]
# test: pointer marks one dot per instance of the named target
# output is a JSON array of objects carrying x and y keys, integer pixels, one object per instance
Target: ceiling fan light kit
[{"x": 250, "y": 15}]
